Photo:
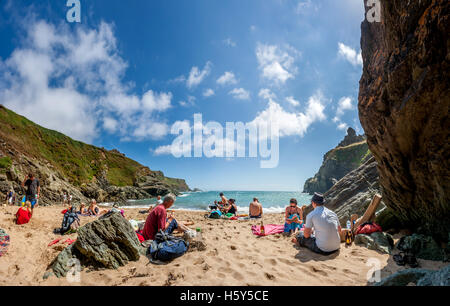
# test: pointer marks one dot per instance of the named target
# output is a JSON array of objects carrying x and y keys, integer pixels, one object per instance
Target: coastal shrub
[{"x": 5, "y": 162}]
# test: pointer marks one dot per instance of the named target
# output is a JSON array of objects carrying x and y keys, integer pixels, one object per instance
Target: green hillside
[{"x": 76, "y": 161}]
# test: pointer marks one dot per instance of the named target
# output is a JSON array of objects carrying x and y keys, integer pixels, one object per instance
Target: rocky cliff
[
  {"x": 65, "y": 165},
  {"x": 347, "y": 156},
  {"x": 403, "y": 107}
]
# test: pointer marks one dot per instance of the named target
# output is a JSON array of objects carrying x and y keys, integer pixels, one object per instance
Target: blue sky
[{"x": 129, "y": 70}]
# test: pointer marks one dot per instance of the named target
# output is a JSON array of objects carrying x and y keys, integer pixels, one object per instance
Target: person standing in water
[{"x": 33, "y": 189}]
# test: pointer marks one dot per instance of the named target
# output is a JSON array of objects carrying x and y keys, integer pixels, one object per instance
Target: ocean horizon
[{"x": 272, "y": 201}]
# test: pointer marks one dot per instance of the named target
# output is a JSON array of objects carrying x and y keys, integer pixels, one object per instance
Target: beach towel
[
  {"x": 4, "y": 242},
  {"x": 140, "y": 237},
  {"x": 269, "y": 229}
]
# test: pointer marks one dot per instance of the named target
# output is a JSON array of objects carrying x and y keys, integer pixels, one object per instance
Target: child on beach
[{"x": 24, "y": 214}]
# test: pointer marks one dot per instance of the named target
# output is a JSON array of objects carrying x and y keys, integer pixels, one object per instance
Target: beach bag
[
  {"x": 166, "y": 247},
  {"x": 69, "y": 218},
  {"x": 215, "y": 214},
  {"x": 368, "y": 228}
]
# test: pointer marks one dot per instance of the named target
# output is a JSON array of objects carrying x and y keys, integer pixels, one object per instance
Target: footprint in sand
[
  {"x": 271, "y": 261},
  {"x": 347, "y": 271},
  {"x": 269, "y": 276},
  {"x": 237, "y": 276},
  {"x": 316, "y": 270}
]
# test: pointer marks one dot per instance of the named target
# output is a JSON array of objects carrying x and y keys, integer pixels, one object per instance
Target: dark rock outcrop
[
  {"x": 424, "y": 247},
  {"x": 403, "y": 106},
  {"x": 105, "y": 243},
  {"x": 419, "y": 277},
  {"x": 351, "y": 138},
  {"x": 379, "y": 241},
  {"x": 347, "y": 156},
  {"x": 354, "y": 192}
]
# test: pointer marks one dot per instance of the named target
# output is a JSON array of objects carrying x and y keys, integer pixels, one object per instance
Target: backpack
[
  {"x": 215, "y": 214},
  {"x": 166, "y": 247},
  {"x": 368, "y": 228}
]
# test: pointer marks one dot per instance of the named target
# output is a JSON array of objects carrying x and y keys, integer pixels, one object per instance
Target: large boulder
[
  {"x": 419, "y": 277},
  {"x": 404, "y": 109},
  {"x": 381, "y": 242},
  {"x": 109, "y": 242},
  {"x": 404, "y": 277},
  {"x": 422, "y": 246},
  {"x": 438, "y": 278}
]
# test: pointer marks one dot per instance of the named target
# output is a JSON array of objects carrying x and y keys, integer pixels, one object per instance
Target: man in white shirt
[{"x": 326, "y": 226}]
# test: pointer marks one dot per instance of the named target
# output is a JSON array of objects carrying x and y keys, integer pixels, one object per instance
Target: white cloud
[
  {"x": 227, "y": 78},
  {"x": 292, "y": 101},
  {"x": 208, "y": 93},
  {"x": 344, "y": 104},
  {"x": 190, "y": 101},
  {"x": 291, "y": 124},
  {"x": 196, "y": 76},
  {"x": 72, "y": 82},
  {"x": 266, "y": 93},
  {"x": 229, "y": 42},
  {"x": 276, "y": 65},
  {"x": 342, "y": 126},
  {"x": 240, "y": 94},
  {"x": 350, "y": 55}
]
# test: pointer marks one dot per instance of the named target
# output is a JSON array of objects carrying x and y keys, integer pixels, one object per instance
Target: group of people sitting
[{"x": 225, "y": 206}]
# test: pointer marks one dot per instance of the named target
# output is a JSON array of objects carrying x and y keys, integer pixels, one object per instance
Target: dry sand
[{"x": 234, "y": 256}]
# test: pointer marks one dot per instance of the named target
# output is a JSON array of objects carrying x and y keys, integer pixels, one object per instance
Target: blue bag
[
  {"x": 166, "y": 247},
  {"x": 215, "y": 214}
]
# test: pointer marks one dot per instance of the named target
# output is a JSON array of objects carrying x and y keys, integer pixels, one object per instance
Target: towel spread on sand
[
  {"x": 4, "y": 242},
  {"x": 269, "y": 229}
]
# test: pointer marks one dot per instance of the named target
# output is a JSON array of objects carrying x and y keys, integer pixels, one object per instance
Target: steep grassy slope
[{"x": 77, "y": 162}]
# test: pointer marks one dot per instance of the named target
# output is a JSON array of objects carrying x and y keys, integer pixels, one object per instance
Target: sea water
[{"x": 272, "y": 201}]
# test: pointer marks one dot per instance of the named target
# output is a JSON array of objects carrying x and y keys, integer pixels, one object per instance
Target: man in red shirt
[{"x": 157, "y": 219}]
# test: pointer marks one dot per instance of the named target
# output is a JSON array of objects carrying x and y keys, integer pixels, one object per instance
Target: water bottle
[
  {"x": 349, "y": 225},
  {"x": 198, "y": 236}
]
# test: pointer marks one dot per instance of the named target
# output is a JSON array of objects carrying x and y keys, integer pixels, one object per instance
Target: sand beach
[{"x": 234, "y": 256}]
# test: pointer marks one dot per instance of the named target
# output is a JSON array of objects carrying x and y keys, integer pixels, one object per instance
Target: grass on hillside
[{"x": 77, "y": 161}]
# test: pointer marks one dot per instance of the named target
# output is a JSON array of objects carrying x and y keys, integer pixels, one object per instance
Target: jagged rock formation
[
  {"x": 354, "y": 192},
  {"x": 65, "y": 165},
  {"x": 347, "y": 156},
  {"x": 109, "y": 242},
  {"x": 403, "y": 107}
]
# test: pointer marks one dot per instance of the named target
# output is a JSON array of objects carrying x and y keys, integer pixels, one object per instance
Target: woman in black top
[{"x": 233, "y": 208}]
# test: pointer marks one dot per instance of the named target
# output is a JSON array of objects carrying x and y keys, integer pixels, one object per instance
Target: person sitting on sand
[
  {"x": 24, "y": 214},
  {"x": 83, "y": 209},
  {"x": 93, "y": 209},
  {"x": 231, "y": 208},
  {"x": 293, "y": 216},
  {"x": 326, "y": 227},
  {"x": 255, "y": 210},
  {"x": 224, "y": 200},
  {"x": 157, "y": 220}
]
